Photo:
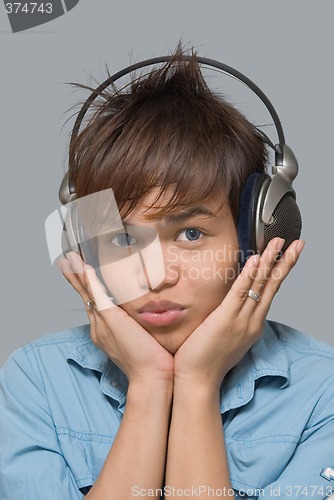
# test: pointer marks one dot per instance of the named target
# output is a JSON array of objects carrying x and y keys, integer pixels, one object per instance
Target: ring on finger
[
  {"x": 90, "y": 303},
  {"x": 253, "y": 295}
]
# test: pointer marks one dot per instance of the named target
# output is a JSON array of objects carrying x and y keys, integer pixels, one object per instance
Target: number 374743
[{"x": 28, "y": 8}]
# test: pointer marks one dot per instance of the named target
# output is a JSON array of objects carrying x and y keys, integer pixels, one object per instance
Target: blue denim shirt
[{"x": 62, "y": 400}]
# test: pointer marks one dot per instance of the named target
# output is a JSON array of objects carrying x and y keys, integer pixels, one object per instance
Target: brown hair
[{"x": 166, "y": 129}]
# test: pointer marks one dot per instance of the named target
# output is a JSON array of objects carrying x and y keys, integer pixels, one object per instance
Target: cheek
[
  {"x": 125, "y": 279},
  {"x": 215, "y": 271},
  {"x": 216, "y": 280},
  {"x": 206, "y": 286}
]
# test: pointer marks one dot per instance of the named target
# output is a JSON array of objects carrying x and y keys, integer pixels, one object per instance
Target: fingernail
[
  {"x": 300, "y": 245},
  {"x": 69, "y": 257},
  {"x": 255, "y": 259},
  {"x": 76, "y": 262},
  {"x": 280, "y": 244},
  {"x": 64, "y": 266},
  {"x": 60, "y": 265}
]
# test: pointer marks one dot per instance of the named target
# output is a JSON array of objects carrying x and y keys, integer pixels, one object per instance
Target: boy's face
[{"x": 198, "y": 248}]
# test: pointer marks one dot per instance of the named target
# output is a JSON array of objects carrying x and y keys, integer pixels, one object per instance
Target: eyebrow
[{"x": 177, "y": 218}]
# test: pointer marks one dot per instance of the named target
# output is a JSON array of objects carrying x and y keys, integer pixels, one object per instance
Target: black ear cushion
[
  {"x": 286, "y": 222},
  {"x": 68, "y": 236},
  {"x": 246, "y": 216}
]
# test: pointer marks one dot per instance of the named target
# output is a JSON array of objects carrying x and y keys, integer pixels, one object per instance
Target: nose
[
  {"x": 153, "y": 267},
  {"x": 161, "y": 265}
]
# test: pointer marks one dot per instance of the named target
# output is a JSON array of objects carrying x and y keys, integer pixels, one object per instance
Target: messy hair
[{"x": 166, "y": 129}]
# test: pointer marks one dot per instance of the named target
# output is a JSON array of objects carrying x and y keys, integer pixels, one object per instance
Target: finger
[
  {"x": 109, "y": 312},
  {"x": 238, "y": 293},
  {"x": 267, "y": 262},
  {"x": 80, "y": 268},
  {"x": 73, "y": 269},
  {"x": 98, "y": 291},
  {"x": 278, "y": 275},
  {"x": 96, "y": 297},
  {"x": 76, "y": 263},
  {"x": 116, "y": 320},
  {"x": 71, "y": 276}
]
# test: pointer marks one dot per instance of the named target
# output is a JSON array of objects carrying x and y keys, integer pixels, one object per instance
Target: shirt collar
[
  {"x": 267, "y": 358},
  {"x": 86, "y": 354}
]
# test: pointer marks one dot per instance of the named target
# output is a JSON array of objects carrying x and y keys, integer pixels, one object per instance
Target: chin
[{"x": 171, "y": 342}]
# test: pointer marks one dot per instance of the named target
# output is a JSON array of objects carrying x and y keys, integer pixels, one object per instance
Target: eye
[
  {"x": 190, "y": 234},
  {"x": 123, "y": 240}
]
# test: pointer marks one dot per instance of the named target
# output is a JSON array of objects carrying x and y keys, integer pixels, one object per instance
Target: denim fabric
[{"x": 62, "y": 401}]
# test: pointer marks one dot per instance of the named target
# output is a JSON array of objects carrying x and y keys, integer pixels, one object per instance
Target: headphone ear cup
[
  {"x": 72, "y": 241},
  {"x": 286, "y": 222},
  {"x": 248, "y": 206},
  {"x": 253, "y": 234},
  {"x": 69, "y": 237}
]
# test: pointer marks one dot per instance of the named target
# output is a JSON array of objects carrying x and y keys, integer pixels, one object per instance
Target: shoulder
[
  {"x": 52, "y": 370},
  {"x": 310, "y": 361},
  {"x": 49, "y": 349},
  {"x": 65, "y": 337},
  {"x": 295, "y": 341}
]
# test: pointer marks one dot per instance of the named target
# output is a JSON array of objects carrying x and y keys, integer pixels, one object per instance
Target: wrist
[
  {"x": 150, "y": 390},
  {"x": 201, "y": 392},
  {"x": 205, "y": 381}
]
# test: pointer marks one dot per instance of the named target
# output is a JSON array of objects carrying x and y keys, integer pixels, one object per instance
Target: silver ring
[
  {"x": 253, "y": 295},
  {"x": 90, "y": 303}
]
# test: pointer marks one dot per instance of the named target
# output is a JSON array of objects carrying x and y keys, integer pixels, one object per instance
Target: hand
[
  {"x": 129, "y": 345},
  {"x": 224, "y": 337}
]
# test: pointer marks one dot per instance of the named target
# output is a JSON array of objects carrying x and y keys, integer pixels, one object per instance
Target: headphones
[{"x": 267, "y": 206}]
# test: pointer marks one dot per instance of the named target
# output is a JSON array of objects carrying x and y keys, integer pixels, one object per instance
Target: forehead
[{"x": 157, "y": 204}]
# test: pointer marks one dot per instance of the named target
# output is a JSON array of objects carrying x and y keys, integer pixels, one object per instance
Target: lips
[
  {"x": 160, "y": 306},
  {"x": 161, "y": 313}
]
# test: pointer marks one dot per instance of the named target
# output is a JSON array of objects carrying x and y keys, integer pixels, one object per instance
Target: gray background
[{"x": 286, "y": 47}]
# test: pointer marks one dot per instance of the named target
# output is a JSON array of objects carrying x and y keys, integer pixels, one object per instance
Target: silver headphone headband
[
  {"x": 202, "y": 60},
  {"x": 67, "y": 189}
]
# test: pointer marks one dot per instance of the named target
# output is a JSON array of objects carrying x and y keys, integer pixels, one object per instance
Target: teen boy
[{"x": 186, "y": 389}]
